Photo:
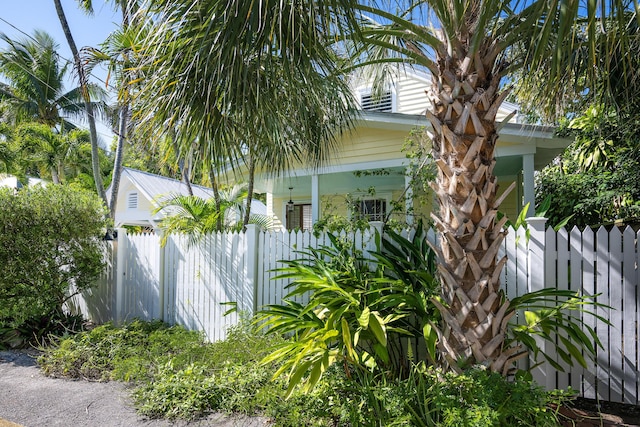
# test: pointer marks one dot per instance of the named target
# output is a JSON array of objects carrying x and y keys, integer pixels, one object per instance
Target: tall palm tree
[
  {"x": 470, "y": 47},
  {"x": 88, "y": 105},
  {"x": 116, "y": 52},
  {"x": 251, "y": 111},
  {"x": 210, "y": 58}
]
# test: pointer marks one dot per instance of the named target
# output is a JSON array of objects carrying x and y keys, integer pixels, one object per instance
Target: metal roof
[{"x": 156, "y": 187}]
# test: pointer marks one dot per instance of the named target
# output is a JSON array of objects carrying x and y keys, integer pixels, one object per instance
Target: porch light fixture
[{"x": 290, "y": 203}]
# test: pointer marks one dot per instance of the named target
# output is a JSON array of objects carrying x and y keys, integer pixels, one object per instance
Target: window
[
  {"x": 132, "y": 200},
  {"x": 372, "y": 209},
  {"x": 382, "y": 102},
  {"x": 299, "y": 218}
]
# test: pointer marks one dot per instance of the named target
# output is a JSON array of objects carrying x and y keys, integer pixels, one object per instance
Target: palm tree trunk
[
  {"x": 123, "y": 117},
  {"x": 252, "y": 172},
  {"x": 184, "y": 170},
  {"x": 474, "y": 308},
  {"x": 216, "y": 198},
  {"x": 54, "y": 176},
  {"x": 95, "y": 161}
]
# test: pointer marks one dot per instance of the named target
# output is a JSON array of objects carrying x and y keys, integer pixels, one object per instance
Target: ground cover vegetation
[
  {"x": 50, "y": 247},
  {"x": 177, "y": 375}
]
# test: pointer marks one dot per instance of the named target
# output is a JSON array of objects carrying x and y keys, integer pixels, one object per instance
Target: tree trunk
[
  {"x": 247, "y": 211},
  {"x": 123, "y": 117},
  {"x": 95, "y": 160},
  {"x": 216, "y": 198},
  {"x": 184, "y": 170},
  {"x": 54, "y": 176},
  {"x": 466, "y": 99}
]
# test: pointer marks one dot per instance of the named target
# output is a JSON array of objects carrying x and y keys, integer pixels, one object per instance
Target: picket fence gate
[{"x": 189, "y": 284}]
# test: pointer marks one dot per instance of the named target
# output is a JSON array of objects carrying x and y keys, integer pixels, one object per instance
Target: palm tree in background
[
  {"x": 44, "y": 150},
  {"x": 270, "y": 109},
  {"x": 196, "y": 217},
  {"x": 34, "y": 88},
  {"x": 34, "y": 101},
  {"x": 116, "y": 53},
  {"x": 40, "y": 151},
  {"x": 86, "y": 96}
]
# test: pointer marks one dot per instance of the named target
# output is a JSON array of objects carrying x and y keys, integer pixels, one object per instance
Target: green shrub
[
  {"x": 478, "y": 398},
  {"x": 360, "y": 311},
  {"x": 50, "y": 241}
]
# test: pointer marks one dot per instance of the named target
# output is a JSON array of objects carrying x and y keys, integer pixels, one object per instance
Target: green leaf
[
  {"x": 532, "y": 318},
  {"x": 295, "y": 379},
  {"x": 346, "y": 338},
  {"x": 431, "y": 340},
  {"x": 378, "y": 328},
  {"x": 363, "y": 320},
  {"x": 575, "y": 353}
]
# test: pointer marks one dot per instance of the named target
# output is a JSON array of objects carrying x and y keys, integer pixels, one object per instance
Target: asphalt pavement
[{"x": 30, "y": 399}]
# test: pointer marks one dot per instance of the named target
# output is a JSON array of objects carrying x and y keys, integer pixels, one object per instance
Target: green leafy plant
[
  {"x": 556, "y": 316},
  {"x": 179, "y": 376},
  {"x": 342, "y": 320},
  {"x": 478, "y": 398},
  {"x": 367, "y": 312}
]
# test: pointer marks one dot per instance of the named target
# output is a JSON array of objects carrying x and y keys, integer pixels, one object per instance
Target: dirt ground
[
  {"x": 29, "y": 399},
  {"x": 588, "y": 412}
]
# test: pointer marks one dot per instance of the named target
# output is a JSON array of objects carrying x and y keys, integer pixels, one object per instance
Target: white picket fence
[{"x": 188, "y": 285}]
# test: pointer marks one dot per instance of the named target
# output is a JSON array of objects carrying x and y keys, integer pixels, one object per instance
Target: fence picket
[
  {"x": 589, "y": 383},
  {"x": 602, "y": 287},
  {"x": 629, "y": 308},
  {"x": 616, "y": 316},
  {"x": 562, "y": 283},
  {"x": 575, "y": 283}
]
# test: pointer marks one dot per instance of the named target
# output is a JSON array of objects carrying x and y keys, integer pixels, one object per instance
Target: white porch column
[
  {"x": 527, "y": 178},
  {"x": 408, "y": 198},
  {"x": 315, "y": 199}
]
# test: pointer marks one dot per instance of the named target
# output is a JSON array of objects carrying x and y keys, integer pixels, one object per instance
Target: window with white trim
[
  {"x": 382, "y": 102},
  {"x": 372, "y": 209},
  {"x": 132, "y": 200}
]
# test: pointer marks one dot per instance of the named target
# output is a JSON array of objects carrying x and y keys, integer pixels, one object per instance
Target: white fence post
[
  {"x": 161, "y": 276},
  {"x": 536, "y": 281},
  {"x": 251, "y": 251},
  {"x": 119, "y": 272}
]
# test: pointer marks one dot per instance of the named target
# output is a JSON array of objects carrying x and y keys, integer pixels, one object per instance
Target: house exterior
[
  {"x": 139, "y": 193},
  {"x": 11, "y": 181},
  {"x": 370, "y": 165}
]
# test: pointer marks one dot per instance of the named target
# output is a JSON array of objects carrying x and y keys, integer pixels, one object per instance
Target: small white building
[
  {"x": 140, "y": 192},
  {"x": 12, "y": 181}
]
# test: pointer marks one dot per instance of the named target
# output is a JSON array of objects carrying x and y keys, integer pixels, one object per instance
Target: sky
[{"x": 18, "y": 17}]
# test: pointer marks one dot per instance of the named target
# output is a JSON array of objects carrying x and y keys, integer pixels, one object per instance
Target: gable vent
[
  {"x": 382, "y": 103},
  {"x": 132, "y": 201}
]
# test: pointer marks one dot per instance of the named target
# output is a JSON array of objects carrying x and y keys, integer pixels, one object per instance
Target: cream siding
[
  {"x": 511, "y": 205},
  {"x": 369, "y": 144}
]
